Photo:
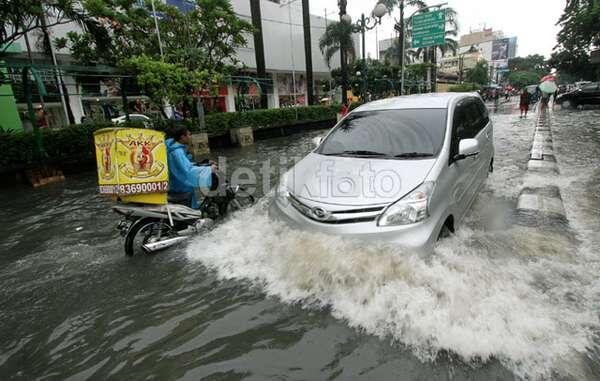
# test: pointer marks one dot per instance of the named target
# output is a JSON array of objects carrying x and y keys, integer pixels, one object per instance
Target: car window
[
  {"x": 590, "y": 87},
  {"x": 476, "y": 117},
  {"x": 388, "y": 132}
]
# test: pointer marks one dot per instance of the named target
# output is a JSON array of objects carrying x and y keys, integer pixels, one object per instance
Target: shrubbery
[
  {"x": 464, "y": 87},
  {"x": 75, "y": 142}
]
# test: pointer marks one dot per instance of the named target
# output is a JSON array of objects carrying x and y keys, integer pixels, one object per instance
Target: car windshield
[{"x": 400, "y": 134}]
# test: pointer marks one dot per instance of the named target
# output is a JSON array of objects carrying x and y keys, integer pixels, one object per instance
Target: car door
[
  {"x": 464, "y": 170},
  {"x": 588, "y": 93},
  {"x": 484, "y": 133}
]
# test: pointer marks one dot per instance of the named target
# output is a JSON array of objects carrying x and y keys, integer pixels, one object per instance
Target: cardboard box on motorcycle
[{"x": 132, "y": 164}]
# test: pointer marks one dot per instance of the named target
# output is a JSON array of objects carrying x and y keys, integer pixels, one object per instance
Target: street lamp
[
  {"x": 402, "y": 27},
  {"x": 367, "y": 23}
]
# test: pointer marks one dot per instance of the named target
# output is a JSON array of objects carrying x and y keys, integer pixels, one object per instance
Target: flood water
[{"x": 256, "y": 300}]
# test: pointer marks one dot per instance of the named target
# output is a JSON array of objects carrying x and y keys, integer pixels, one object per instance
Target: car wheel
[{"x": 566, "y": 104}]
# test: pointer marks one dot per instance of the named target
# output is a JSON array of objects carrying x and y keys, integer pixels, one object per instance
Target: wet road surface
[{"x": 255, "y": 300}]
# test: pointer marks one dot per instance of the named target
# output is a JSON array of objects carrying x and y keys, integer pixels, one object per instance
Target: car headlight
[
  {"x": 410, "y": 209},
  {"x": 282, "y": 192}
]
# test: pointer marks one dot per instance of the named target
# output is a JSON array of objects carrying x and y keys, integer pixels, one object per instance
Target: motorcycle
[{"x": 152, "y": 228}]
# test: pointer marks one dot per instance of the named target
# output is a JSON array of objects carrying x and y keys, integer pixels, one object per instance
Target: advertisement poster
[
  {"x": 132, "y": 164},
  {"x": 500, "y": 49}
]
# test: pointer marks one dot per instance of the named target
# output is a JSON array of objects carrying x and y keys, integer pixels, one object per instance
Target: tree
[
  {"x": 479, "y": 74},
  {"x": 580, "y": 30},
  {"x": 338, "y": 35},
  {"x": 394, "y": 52},
  {"x": 532, "y": 63},
  {"x": 206, "y": 37},
  {"x": 162, "y": 80},
  {"x": 580, "y": 25},
  {"x": 520, "y": 79},
  {"x": 19, "y": 17},
  {"x": 575, "y": 65}
]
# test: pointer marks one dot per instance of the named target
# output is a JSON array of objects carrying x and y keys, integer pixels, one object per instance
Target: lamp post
[
  {"x": 363, "y": 25},
  {"x": 402, "y": 28}
]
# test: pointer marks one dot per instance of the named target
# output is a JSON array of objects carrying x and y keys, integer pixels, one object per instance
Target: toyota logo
[{"x": 320, "y": 214}]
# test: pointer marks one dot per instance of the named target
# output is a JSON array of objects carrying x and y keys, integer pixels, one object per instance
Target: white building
[{"x": 283, "y": 39}]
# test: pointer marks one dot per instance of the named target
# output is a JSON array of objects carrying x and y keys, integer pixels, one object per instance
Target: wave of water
[{"x": 480, "y": 295}]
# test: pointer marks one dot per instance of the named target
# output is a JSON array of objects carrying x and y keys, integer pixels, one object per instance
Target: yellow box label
[{"x": 132, "y": 162}]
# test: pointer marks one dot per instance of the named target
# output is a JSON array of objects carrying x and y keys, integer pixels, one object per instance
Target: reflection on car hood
[{"x": 355, "y": 181}]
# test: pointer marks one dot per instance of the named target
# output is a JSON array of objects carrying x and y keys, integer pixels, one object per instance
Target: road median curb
[{"x": 543, "y": 204}]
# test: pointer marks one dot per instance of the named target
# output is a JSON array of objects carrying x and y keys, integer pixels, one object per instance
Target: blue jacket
[{"x": 184, "y": 176}]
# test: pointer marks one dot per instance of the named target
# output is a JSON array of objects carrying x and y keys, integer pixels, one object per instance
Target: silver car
[{"x": 403, "y": 170}]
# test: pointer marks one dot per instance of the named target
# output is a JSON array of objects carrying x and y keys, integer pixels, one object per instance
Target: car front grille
[{"x": 346, "y": 216}]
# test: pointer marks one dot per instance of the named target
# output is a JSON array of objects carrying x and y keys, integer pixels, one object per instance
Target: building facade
[{"x": 283, "y": 39}]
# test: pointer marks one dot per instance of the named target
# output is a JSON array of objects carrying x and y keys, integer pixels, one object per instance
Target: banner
[{"x": 500, "y": 49}]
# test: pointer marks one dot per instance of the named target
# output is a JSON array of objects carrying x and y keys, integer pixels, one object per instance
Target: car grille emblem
[{"x": 320, "y": 214}]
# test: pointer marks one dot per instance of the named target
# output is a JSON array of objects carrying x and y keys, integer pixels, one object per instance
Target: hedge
[
  {"x": 464, "y": 87},
  {"x": 74, "y": 143},
  {"x": 220, "y": 123}
]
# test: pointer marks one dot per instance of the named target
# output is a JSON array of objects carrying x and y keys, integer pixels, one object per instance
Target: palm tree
[
  {"x": 394, "y": 52},
  {"x": 337, "y": 35},
  {"x": 391, "y": 4}
]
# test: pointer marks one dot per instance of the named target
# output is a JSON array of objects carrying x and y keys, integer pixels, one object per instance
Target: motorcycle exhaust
[{"x": 161, "y": 245}]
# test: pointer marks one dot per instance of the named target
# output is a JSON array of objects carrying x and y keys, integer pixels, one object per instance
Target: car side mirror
[
  {"x": 317, "y": 140},
  {"x": 467, "y": 148}
]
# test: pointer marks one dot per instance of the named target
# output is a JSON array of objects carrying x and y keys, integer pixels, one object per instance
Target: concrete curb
[{"x": 542, "y": 205}]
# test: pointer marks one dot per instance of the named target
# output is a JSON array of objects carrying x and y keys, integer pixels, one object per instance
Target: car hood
[{"x": 355, "y": 181}]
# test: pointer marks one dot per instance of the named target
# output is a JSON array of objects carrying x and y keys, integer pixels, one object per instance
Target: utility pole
[
  {"x": 342, "y": 5},
  {"x": 259, "y": 48},
  {"x": 308, "y": 52}
]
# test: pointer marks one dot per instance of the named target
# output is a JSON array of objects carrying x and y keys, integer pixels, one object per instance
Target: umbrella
[
  {"x": 548, "y": 87},
  {"x": 549, "y": 77}
]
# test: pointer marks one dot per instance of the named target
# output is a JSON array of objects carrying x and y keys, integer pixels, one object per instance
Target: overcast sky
[{"x": 531, "y": 21}]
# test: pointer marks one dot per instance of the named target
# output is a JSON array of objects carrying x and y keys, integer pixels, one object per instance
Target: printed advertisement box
[{"x": 132, "y": 164}]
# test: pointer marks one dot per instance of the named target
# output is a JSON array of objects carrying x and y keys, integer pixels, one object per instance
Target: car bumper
[{"x": 421, "y": 235}]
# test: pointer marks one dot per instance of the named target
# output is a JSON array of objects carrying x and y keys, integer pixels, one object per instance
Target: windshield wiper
[
  {"x": 414, "y": 154},
  {"x": 356, "y": 152}
]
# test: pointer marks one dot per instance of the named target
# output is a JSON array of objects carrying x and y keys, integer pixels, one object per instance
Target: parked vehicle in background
[
  {"x": 403, "y": 169},
  {"x": 588, "y": 94},
  {"x": 146, "y": 121}
]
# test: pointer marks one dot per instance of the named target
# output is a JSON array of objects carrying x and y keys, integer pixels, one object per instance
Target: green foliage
[
  {"x": 520, "y": 79},
  {"x": 464, "y": 87},
  {"x": 162, "y": 80},
  {"x": 575, "y": 64},
  {"x": 19, "y": 17},
  {"x": 206, "y": 37},
  {"x": 479, "y": 74},
  {"x": 580, "y": 30},
  {"x": 337, "y": 35},
  {"x": 74, "y": 143},
  {"x": 376, "y": 77},
  {"x": 532, "y": 63},
  {"x": 221, "y": 123},
  {"x": 580, "y": 25}
]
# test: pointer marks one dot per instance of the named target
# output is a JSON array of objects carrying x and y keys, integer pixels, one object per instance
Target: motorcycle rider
[{"x": 184, "y": 176}]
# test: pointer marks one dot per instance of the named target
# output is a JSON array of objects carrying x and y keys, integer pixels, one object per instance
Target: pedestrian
[
  {"x": 524, "y": 102},
  {"x": 344, "y": 110},
  {"x": 41, "y": 117}
]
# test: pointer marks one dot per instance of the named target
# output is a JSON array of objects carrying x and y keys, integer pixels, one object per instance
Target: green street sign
[{"x": 429, "y": 29}]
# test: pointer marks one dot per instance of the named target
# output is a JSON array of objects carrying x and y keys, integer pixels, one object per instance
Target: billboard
[{"x": 500, "y": 49}]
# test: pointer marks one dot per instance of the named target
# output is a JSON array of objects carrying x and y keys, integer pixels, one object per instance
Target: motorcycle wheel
[
  {"x": 142, "y": 231},
  {"x": 241, "y": 200}
]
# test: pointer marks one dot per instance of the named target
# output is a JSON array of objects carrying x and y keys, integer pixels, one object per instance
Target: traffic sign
[{"x": 429, "y": 29}]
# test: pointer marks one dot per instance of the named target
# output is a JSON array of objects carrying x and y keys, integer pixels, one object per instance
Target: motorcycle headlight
[{"x": 410, "y": 209}]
